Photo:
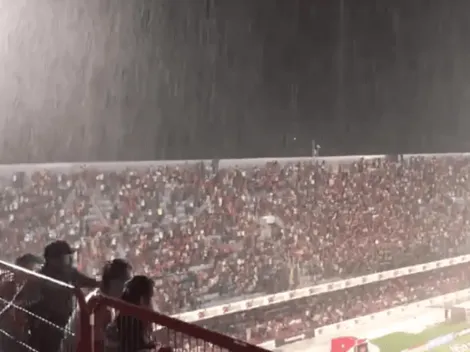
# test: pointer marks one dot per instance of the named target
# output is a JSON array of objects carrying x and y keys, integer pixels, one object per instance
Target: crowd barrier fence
[
  {"x": 21, "y": 288},
  {"x": 23, "y": 323},
  {"x": 167, "y": 331}
]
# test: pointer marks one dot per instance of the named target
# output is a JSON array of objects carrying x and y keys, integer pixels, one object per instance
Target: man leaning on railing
[{"x": 51, "y": 305}]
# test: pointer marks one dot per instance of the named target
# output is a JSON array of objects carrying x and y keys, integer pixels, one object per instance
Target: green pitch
[
  {"x": 400, "y": 341},
  {"x": 461, "y": 344}
]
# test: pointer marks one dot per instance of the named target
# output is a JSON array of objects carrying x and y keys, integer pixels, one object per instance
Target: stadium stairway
[{"x": 100, "y": 207}]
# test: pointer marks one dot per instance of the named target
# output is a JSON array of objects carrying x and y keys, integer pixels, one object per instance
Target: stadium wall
[
  {"x": 335, "y": 330},
  {"x": 401, "y": 310},
  {"x": 285, "y": 296}
]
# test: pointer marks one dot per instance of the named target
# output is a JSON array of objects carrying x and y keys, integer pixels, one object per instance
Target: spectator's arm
[{"x": 82, "y": 281}]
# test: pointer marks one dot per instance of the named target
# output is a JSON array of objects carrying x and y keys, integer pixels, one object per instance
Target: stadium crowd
[{"x": 206, "y": 233}]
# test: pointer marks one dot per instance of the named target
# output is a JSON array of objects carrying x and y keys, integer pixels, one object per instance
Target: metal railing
[
  {"x": 32, "y": 310},
  {"x": 34, "y": 318},
  {"x": 136, "y": 328}
]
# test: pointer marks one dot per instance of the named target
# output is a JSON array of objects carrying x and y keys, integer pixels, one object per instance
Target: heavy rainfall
[
  {"x": 300, "y": 250},
  {"x": 126, "y": 80}
]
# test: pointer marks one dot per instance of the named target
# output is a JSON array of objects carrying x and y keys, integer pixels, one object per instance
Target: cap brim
[{"x": 59, "y": 253}]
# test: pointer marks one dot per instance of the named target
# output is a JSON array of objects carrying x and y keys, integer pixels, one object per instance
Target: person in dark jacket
[
  {"x": 129, "y": 333},
  {"x": 13, "y": 321},
  {"x": 53, "y": 302}
]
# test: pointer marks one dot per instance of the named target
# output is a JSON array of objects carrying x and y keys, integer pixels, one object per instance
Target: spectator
[
  {"x": 13, "y": 322},
  {"x": 54, "y": 303},
  {"x": 114, "y": 276},
  {"x": 30, "y": 261},
  {"x": 128, "y": 333}
]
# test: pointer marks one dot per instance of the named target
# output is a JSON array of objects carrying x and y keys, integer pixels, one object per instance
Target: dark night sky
[{"x": 120, "y": 80}]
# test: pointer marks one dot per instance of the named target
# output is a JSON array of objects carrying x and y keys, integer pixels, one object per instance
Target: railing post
[{"x": 85, "y": 341}]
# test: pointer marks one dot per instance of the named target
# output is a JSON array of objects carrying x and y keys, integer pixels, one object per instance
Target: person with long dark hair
[
  {"x": 113, "y": 278},
  {"x": 128, "y": 333}
]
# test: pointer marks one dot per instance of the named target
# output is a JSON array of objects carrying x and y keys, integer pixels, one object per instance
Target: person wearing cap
[
  {"x": 54, "y": 303},
  {"x": 58, "y": 265}
]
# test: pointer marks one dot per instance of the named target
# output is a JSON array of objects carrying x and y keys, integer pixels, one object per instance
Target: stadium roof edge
[{"x": 122, "y": 165}]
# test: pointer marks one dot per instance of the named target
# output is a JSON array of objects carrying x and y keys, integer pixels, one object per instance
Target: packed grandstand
[{"x": 256, "y": 248}]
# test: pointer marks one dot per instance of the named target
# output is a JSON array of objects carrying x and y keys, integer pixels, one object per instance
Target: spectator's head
[
  {"x": 115, "y": 275},
  {"x": 29, "y": 261},
  {"x": 59, "y": 254},
  {"x": 139, "y": 291}
]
